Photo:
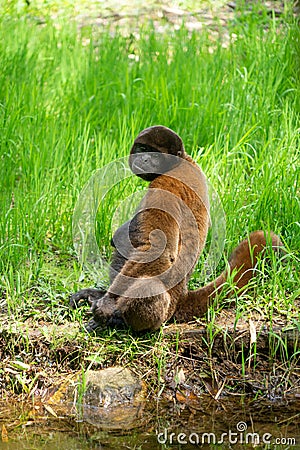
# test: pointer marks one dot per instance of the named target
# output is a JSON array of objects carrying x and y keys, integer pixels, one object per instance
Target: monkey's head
[{"x": 155, "y": 151}]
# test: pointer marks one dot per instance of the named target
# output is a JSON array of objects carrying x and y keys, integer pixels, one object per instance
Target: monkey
[
  {"x": 163, "y": 231},
  {"x": 156, "y": 251}
]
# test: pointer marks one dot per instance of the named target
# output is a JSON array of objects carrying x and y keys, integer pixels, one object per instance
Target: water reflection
[{"x": 229, "y": 423}]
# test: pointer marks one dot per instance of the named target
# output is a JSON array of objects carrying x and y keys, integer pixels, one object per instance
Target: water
[{"x": 234, "y": 423}]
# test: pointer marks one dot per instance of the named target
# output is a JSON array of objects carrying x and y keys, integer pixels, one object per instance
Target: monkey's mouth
[{"x": 138, "y": 169}]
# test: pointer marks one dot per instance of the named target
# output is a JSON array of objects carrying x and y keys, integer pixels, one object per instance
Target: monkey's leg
[
  {"x": 137, "y": 309},
  {"x": 146, "y": 314},
  {"x": 146, "y": 305},
  {"x": 90, "y": 295}
]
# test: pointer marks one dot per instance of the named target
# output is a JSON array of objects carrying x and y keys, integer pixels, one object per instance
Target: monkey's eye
[{"x": 142, "y": 148}]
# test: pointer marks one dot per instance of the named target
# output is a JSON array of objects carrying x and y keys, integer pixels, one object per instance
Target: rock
[
  {"x": 113, "y": 398},
  {"x": 111, "y": 387},
  {"x": 110, "y": 398}
]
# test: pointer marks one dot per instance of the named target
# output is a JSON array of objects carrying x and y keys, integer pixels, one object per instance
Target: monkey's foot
[
  {"x": 89, "y": 295},
  {"x": 92, "y": 325},
  {"x": 116, "y": 320}
]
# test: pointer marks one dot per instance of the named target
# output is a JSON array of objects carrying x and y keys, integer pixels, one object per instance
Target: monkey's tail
[{"x": 242, "y": 263}]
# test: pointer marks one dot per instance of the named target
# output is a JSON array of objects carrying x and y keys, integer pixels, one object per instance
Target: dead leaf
[
  {"x": 187, "y": 397},
  {"x": 4, "y": 434},
  {"x": 179, "y": 397},
  {"x": 180, "y": 377},
  {"x": 50, "y": 410},
  {"x": 253, "y": 335}
]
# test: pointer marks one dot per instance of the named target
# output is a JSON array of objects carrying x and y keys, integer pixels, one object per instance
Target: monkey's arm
[
  {"x": 156, "y": 246},
  {"x": 119, "y": 241}
]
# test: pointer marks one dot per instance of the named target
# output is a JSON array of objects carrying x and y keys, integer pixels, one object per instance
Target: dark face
[
  {"x": 148, "y": 163},
  {"x": 155, "y": 151}
]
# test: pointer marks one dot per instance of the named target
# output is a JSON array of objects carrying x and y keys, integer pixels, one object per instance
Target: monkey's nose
[{"x": 146, "y": 158}]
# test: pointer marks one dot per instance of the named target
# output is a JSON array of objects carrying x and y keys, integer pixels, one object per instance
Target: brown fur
[
  {"x": 170, "y": 227},
  {"x": 242, "y": 263}
]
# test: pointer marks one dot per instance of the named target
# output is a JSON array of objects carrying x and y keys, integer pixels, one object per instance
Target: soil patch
[{"x": 226, "y": 357}]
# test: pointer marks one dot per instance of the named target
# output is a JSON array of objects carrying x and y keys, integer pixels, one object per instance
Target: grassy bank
[{"x": 72, "y": 100}]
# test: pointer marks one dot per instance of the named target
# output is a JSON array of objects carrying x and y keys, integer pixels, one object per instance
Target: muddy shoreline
[{"x": 227, "y": 358}]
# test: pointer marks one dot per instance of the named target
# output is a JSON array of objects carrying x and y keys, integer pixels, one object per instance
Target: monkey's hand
[
  {"x": 92, "y": 325},
  {"x": 89, "y": 295}
]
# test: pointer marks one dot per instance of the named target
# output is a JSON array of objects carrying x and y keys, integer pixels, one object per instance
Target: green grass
[{"x": 72, "y": 100}]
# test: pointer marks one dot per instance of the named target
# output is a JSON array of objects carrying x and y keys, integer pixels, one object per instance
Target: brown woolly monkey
[{"x": 156, "y": 252}]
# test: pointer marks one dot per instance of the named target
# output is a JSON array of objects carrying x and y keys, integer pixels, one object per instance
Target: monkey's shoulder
[{"x": 186, "y": 181}]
